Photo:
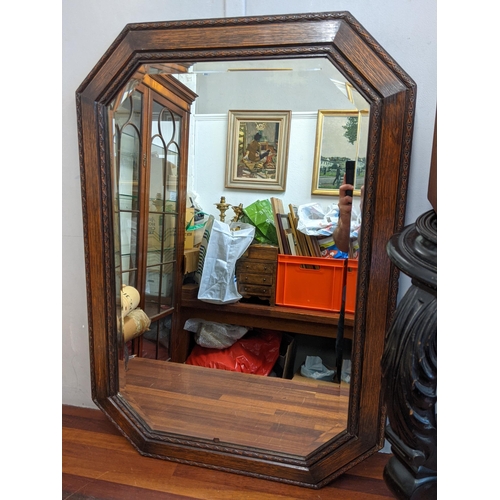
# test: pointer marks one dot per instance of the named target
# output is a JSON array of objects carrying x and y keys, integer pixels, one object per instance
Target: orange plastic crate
[
  {"x": 351, "y": 284},
  {"x": 310, "y": 282}
]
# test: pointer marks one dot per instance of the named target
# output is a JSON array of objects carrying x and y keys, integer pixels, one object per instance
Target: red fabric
[{"x": 255, "y": 353}]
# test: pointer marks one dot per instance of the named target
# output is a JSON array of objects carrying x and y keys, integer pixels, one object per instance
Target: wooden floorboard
[
  {"x": 98, "y": 463},
  {"x": 286, "y": 416}
]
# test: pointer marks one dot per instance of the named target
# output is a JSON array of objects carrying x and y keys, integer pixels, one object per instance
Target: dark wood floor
[{"x": 98, "y": 463}]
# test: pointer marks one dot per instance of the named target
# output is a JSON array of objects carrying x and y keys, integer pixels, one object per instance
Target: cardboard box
[
  {"x": 192, "y": 238},
  {"x": 284, "y": 364},
  {"x": 189, "y": 240},
  {"x": 191, "y": 260},
  {"x": 189, "y": 217}
]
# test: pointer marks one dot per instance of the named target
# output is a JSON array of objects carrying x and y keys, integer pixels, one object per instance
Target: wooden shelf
[{"x": 285, "y": 319}]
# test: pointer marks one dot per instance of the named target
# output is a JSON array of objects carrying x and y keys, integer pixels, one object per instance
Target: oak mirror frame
[{"x": 391, "y": 93}]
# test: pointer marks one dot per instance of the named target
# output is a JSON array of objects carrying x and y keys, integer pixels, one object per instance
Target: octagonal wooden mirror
[{"x": 273, "y": 428}]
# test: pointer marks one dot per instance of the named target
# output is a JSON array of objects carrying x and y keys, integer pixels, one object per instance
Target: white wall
[
  {"x": 405, "y": 28},
  {"x": 301, "y": 92},
  {"x": 207, "y": 170}
]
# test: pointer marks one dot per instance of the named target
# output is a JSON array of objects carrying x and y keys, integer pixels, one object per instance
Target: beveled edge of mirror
[{"x": 381, "y": 81}]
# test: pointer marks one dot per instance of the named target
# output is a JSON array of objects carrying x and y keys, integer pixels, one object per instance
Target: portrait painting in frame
[{"x": 257, "y": 149}]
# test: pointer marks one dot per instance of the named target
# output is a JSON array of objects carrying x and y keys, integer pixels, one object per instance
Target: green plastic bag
[{"x": 260, "y": 215}]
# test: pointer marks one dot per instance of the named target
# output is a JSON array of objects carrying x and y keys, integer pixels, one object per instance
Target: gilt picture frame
[
  {"x": 340, "y": 136},
  {"x": 257, "y": 150}
]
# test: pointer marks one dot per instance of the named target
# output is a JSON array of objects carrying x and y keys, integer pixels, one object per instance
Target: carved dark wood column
[{"x": 409, "y": 365}]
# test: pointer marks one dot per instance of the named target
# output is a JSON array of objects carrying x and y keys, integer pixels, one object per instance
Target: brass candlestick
[
  {"x": 238, "y": 212},
  {"x": 222, "y": 206}
]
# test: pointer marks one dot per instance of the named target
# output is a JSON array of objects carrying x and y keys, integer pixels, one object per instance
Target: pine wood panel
[
  {"x": 285, "y": 416},
  {"x": 99, "y": 463}
]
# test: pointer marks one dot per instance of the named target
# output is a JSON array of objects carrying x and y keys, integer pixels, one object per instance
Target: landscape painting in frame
[
  {"x": 257, "y": 149},
  {"x": 341, "y": 135}
]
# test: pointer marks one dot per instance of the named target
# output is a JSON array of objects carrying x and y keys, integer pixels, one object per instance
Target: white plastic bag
[
  {"x": 315, "y": 222},
  {"x": 313, "y": 367},
  {"x": 224, "y": 248},
  {"x": 214, "y": 335}
]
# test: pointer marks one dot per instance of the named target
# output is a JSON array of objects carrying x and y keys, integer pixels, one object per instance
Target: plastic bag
[
  {"x": 314, "y": 368},
  {"x": 314, "y": 222},
  {"x": 345, "y": 375},
  {"x": 255, "y": 354},
  {"x": 214, "y": 335},
  {"x": 198, "y": 221},
  {"x": 224, "y": 248},
  {"x": 260, "y": 215},
  {"x": 203, "y": 248}
]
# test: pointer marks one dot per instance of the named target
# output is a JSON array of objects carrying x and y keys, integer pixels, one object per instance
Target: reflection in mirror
[{"x": 170, "y": 126}]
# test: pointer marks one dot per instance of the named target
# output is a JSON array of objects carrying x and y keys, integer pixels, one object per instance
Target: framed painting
[
  {"x": 341, "y": 135},
  {"x": 257, "y": 149}
]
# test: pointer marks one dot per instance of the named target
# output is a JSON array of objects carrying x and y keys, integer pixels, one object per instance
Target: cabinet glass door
[
  {"x": 147, "y": 131},
  {"x": 127, "y": 141},
  {"x": 163, "y": 195}
]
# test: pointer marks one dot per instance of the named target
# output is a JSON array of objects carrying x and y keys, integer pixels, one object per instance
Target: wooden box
[{"x": 256, "y": 272}]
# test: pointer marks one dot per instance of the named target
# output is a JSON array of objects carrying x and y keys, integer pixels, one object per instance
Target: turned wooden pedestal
[{"x": 409, "y": 366}]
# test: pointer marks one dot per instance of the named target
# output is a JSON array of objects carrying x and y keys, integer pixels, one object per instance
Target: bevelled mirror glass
[{"x": 154, "y": 121}]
